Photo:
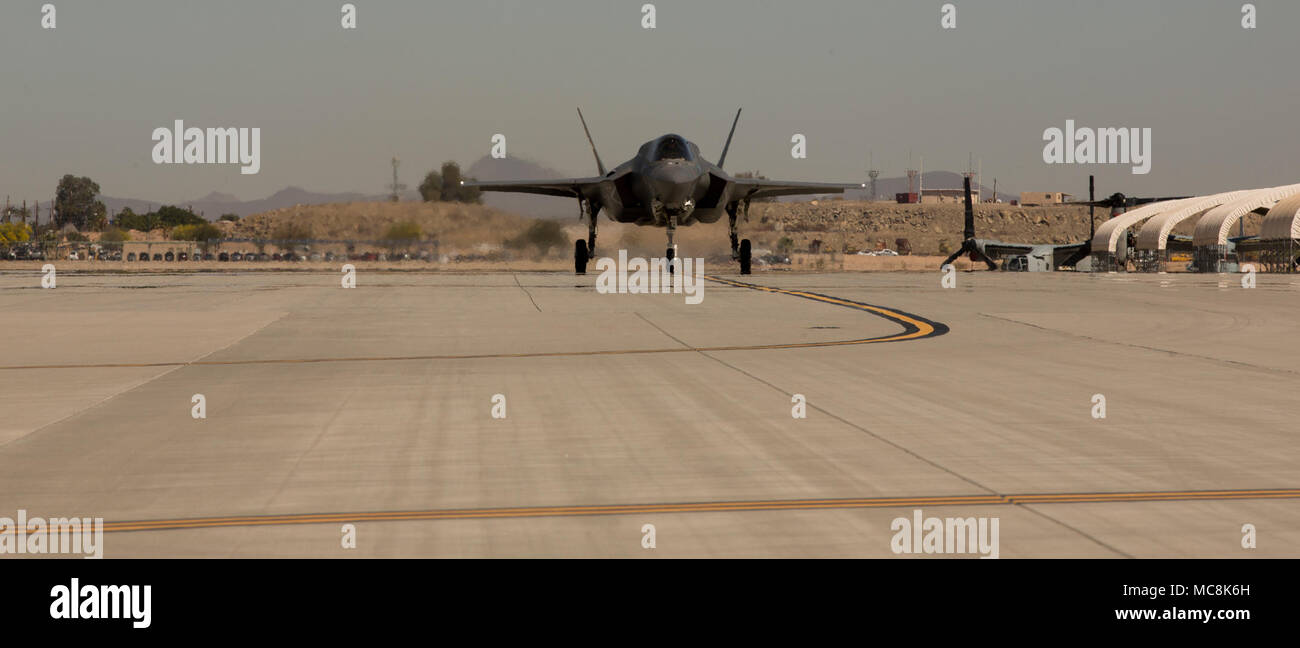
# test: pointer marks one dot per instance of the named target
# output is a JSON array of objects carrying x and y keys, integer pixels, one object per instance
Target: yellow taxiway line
[
  {"x": 695, "y": 507},
  {"x": 914, "y": 328}
]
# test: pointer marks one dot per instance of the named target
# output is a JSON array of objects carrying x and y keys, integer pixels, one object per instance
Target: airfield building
[
  {"x": 1153, "y": 238},
  {"x": 1278, "y": 245},
  {"x": 1033, "y": 198},
  {"x": 938, "y": 196},
  {"x": 1214, "y": 249}
]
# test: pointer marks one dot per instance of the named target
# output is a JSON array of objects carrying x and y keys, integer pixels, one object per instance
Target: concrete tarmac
[{"x": 374, "y": 407}]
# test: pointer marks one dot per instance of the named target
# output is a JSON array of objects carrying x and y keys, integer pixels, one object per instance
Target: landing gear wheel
[
  {"x": 580, "y": 257},
  {"x": 670, "y": 254},
  {"x": 745, "y": 257}
]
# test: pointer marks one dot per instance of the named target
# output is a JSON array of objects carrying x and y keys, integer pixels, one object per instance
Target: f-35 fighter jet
[{"x": 668, "y": 184}]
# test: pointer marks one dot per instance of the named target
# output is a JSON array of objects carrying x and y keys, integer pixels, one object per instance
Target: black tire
[
  {"x": 580, "y": 257},
  {"x": 670, "y": 255},
  {"x": 745, "y": 257}
]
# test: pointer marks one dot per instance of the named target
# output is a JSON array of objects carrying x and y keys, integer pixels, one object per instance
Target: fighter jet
[{"x": 668, "y": 184}]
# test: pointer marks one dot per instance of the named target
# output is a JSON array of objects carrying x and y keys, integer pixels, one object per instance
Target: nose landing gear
[{"x": 671, "y": 253}]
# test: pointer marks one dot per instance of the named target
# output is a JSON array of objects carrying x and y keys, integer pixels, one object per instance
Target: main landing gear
[
  {"x": 740, "y": 249},
  {"x": 580, "y": 257},
  {"x": 584, "y": 251}
]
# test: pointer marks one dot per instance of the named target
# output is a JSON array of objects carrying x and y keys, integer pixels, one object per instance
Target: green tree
[
  {"x": 196, "y": 232},
  {"x": 234, "y": 218},
  {"x": 452, "y": 190},
  {"x": 74, "y": 201},
  {"x": 451, "y": 181},
  {"x": 128, "y": 219},
  {"x": 170, "y": 216},
  {"x": 470, "y": 194},
  {"x": 431, "y": 188},
  {"x": 14, "y": 233},
  {"x": 127, "y": 215},
  {"x": 98, "y": 219}
]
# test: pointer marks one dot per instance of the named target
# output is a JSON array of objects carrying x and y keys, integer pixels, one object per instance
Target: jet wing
[
  {"x": 752, "y": 188},
  {"x": 563, "y": 187}
]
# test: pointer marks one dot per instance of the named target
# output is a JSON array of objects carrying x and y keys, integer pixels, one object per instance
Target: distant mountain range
[
  {"x": 214, "y": 205},
  {"x": 886, "y": 188}
]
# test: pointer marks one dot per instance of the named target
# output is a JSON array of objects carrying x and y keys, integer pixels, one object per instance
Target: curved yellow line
[
  {"x": 923, "y": 328},
  {"x": 693, "y": 507}
]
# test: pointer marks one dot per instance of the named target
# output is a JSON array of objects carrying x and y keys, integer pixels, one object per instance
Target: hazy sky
[{"x": 434, "y": 80}]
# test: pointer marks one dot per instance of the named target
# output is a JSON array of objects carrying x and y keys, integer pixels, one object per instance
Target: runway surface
[{"x": 374, "y": 407}]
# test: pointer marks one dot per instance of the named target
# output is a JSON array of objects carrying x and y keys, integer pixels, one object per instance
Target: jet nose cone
[{"x": 674, "y": 183}]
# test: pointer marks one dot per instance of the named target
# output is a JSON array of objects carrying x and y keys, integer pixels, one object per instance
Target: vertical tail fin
[
  {"x": 969, "y": 231},
  {"x": 725, "y": 147},
  {"x": 600, "y": 166}
]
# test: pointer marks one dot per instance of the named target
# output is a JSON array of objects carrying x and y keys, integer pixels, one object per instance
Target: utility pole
[
  {"x": 873, "y": 173},
  {"x": 396, "y": 187},
  {"x": 911, "y": 175},
  {"x": 920, "y": 189}
]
